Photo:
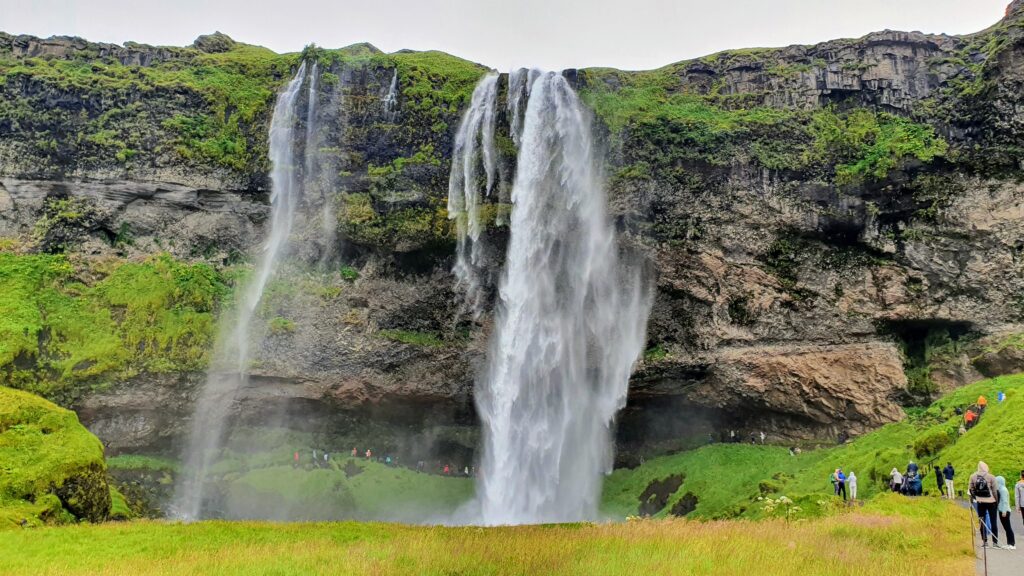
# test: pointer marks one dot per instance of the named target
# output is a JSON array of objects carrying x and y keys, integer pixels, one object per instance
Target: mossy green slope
[
  {"x": 51, "y": 467},
  {"x": 727, "y": 479},
  {"x": 66, "y": 324}
]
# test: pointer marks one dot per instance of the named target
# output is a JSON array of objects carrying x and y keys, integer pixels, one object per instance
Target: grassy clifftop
[{"x": 51, "y": 467}]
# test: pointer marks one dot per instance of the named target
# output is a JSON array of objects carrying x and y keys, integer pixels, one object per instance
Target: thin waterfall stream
[{"x": 229, "y": 370}]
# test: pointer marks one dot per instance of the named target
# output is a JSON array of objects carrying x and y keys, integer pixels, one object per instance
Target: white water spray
[
  {"x": 391, "y": 99},
  {"x": 229, "y": 369},
  {"x": 474, "y": 146},
  {"x": 569, "y": 325}
]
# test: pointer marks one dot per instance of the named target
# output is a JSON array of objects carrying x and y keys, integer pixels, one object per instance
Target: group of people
[
  {"x": 735, "y": 438},
  {"x": 991, "y": 501},
  {"x": 908, "y": 484},
  {"x": 842, "y": 481}
]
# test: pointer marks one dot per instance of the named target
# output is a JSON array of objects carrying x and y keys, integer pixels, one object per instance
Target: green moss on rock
[{"x": 50, "y": 465}]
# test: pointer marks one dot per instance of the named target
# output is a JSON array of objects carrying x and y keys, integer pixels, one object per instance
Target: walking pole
[{"x": 984, "y": 549}]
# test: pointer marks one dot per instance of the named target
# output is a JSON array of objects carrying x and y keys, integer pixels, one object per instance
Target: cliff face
[{"x": 824, "y": 223}]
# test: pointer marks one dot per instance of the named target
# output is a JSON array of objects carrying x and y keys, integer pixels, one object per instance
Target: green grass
[
  {"x": 425, "y": 339},
  {"x": 728, "y": 478},
  {"x": 50, "y": 465},
  {"x": 141, "y": 462},
  {"x": 891, "y": 535},
  {"x": 58, "y": 332},
  {"x": 666, "y": 126}
]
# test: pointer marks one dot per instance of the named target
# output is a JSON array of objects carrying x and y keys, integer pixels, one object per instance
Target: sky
[{"x": 549, "y": 34}]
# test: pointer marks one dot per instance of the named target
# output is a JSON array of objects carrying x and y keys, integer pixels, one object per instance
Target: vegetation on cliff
[
  {"x": 69, "y": 323},
  {"x": 51, "y": 467}
]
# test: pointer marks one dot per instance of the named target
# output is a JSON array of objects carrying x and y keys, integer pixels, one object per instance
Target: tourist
[
  {"x": 326, "y": 458},
  {"x": 970, "y": 418},
  {"x": 911, "y": 468},
  {"x": 1003, "y": 509},
  {"x": 1001, "y": 397},
  {"x": 982, "y": 403},
  {"x": 447, "y": 470},
  {"x": 388, "y": 460},
  {"x": 962, "y": 430},
  {"x": 465, "y": 472},
  {"x": 834, "y": 478},
  {"x": 753, "y": 437},
  {"x": 948, "y": 472},
  {"x": 369, "y": 454},
  {"x": 895, "y": 480},
  {"x": 732, "y": 436},
  {"x": 295, "y": 460},
  {"x": 1018, "y": 494},
  {"x": 842, "y": 483},
  {"x": 851, "y": 480},
  {"x": 763, "y": 436},
  {"x": 938, "y": 480},
  {"x": 982, "y": 487},
  {"x": 355, "y": 452}
]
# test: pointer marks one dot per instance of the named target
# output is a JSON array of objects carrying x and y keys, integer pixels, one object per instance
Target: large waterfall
[
  {"x": 229, "y": 369},
  {"x": 570, "y": 319}
]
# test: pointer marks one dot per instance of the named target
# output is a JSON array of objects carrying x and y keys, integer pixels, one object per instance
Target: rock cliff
[{"x": 835, "y": 231}]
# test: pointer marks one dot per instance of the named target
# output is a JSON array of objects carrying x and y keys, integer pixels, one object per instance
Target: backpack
[{"x": 981, "y": 488}]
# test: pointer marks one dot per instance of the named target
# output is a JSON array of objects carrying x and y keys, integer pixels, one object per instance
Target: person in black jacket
[{"x": 948, "y": 473}]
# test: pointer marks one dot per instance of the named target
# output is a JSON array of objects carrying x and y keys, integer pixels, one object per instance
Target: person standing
[
  {"x": 895, "y": 480},
  {"x": 938, "y": 481},
  {"x": 851, "y": 480},
  {"x": 1003, "y": 509},
  {"x": 948, "y": 473},
  {"x": 982, "y": 487},
  {"x": 834, "y": 478},
  {"x": 763, "y": 436},
  {"x": 1018, "y": 494}
]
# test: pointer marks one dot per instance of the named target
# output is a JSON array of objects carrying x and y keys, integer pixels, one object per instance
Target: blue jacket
[{"x": 948, "y": 472}]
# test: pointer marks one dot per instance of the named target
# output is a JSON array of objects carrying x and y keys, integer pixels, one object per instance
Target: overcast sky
[{"x": 552, "y": 34}]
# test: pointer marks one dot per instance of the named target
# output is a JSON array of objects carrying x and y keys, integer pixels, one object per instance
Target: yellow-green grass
[
  {"x": 727, "y": 479},
  {"x": 889, "y": 536}
]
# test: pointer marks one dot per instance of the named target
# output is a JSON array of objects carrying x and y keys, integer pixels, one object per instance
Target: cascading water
[
  {"x": 391, "y": 99},
  {"x": 229, "y": 369},
  {"x": 570, "y": 320},
  {"x": 474, "y": 146}
]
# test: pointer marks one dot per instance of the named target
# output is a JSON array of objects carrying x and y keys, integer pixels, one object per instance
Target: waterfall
[
  {"x": 391, "y": 99},
  {"x": 517, "y": 85},
  {"x": 474, "y": 146},
  {"x": 570, "y": 321},
  {"x": 229, "y": 369}
]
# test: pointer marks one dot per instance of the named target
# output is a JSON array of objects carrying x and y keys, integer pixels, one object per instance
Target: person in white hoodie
[{"x": 851, "y": 483}]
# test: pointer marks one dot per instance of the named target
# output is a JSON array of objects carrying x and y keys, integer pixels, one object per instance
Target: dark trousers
[
  {"x": 987, "y": 515},
  {"x": 1006, "y": 519},
  {"x": 841, "y": 489}
]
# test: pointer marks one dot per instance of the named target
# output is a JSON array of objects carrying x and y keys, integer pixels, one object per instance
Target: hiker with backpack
[
  {"x": 948, "y": 473},
  {"x": 982, "y": 487}
]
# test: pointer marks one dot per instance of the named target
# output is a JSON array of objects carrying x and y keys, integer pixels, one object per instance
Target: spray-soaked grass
[
  {"x": 728, "y": 478},
  {"x": 890, "y": 536}
]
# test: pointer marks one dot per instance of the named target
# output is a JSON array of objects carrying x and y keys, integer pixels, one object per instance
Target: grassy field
[
  {"x": 891, "y": 535},
  {"x": 727, "y": 479}
]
